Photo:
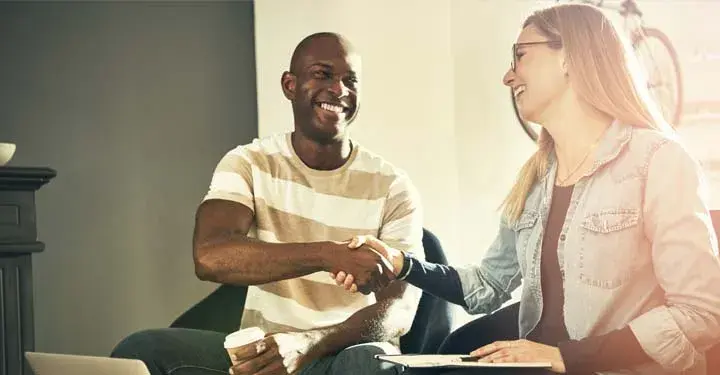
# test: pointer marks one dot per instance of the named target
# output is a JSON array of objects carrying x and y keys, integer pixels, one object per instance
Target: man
[{"x": 279, "y": 215}]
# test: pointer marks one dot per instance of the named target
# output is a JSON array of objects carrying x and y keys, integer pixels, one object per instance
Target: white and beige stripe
[{"x": 292, "y": 203}]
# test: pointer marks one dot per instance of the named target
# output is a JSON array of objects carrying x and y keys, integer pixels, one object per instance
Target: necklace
[{"x": 561, "y": 182}]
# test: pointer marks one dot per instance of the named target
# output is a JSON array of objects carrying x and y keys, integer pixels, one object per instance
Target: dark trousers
[{"x": 178, "y": 351}]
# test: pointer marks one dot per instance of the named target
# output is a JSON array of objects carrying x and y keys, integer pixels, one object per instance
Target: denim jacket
[{"x": 637, "y": 248}]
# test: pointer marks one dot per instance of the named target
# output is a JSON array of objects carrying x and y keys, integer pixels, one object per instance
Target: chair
[
  {"x": 432, "y": 323},
  {"x": 221, "y": 310},
  {"x": 713, "y": 354}
]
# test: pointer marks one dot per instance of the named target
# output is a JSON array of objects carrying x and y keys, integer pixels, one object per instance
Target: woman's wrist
[{"x": 405, "y": 265}]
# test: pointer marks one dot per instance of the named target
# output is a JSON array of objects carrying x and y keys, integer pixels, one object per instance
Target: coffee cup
[{"x": 242, "y": 338}]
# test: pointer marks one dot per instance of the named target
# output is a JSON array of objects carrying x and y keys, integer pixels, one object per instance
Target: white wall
[
  {"x": 491, "y": 145},
  {"x": 407, "y": 88},
  {"x": 433, "y": 100}
]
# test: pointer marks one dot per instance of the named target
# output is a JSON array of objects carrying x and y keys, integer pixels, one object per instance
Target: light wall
[
  {"x": 432, "y": 99},
  {"x": 407, "y": 85}
]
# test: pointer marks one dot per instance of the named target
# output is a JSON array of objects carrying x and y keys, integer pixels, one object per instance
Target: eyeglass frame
[{"x": 550, "y": 43}]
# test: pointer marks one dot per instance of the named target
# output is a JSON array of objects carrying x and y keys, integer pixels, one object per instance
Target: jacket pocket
[
  {"x": 523, "y": 230},
  {"x": 608, "y": 247}
]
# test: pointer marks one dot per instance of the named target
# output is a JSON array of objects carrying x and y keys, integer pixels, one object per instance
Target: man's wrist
[
  {"x": 326, "y": 254},
  {"x": 325, "y": 341}
]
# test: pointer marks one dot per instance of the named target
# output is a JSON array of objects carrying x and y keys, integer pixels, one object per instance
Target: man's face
[{"x": 324, "y": 89}]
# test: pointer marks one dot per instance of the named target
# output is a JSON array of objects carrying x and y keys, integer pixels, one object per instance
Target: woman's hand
[{"x": 520, "y": 351}]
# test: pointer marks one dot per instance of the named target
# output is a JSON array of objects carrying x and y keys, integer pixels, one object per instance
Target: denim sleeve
[
  {"x": 617, "y": 349},
  {"x": 487, "y": 286},
  {"x": 684, "y": 256}
]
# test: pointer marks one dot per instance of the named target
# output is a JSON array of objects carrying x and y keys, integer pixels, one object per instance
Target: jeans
[{"x": 178, "y": 351}]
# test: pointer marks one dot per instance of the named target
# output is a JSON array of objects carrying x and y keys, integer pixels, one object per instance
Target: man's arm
[
  {"x": 393, "y": 314},
  {"x": 390, "y": 317},
  {"x": 293, "y": 350},
  {"x": 223, "y": 252}
]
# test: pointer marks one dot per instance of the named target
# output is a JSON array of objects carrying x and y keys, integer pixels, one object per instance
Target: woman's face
[{"x": 537, "y": 74}]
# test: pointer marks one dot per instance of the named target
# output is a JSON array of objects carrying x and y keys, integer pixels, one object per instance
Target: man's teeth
[
  {"x": 518, "y": 90},
  {"x": 331, "y": 108}
]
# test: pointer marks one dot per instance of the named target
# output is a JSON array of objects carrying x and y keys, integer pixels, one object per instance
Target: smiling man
[{"x": 277, "y": 218}]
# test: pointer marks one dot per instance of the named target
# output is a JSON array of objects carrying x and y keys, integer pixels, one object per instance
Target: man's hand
[
  {"x": 370, "y": 269},
  {"x": 393, "y": 256},
  {"x": 520, "y": 351},
  {"x": 277, "y": 354}
]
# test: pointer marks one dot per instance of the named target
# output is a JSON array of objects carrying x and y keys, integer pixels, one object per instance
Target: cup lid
[{"x": 244, "y": 337}]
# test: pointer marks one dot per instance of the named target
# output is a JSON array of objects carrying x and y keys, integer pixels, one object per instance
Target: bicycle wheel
[
  {"x": 531, "y": 129},
  {"x": 657, "y": 54}
]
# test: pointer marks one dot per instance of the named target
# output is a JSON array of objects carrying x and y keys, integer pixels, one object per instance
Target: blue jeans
[{"x": 178, "y": 351}]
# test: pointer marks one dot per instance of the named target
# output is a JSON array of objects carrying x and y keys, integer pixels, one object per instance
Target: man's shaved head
[
  {"x": 323, "y": 84},
  {"x": 302, "y": 48}
]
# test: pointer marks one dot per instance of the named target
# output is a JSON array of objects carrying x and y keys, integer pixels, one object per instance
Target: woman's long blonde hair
[{"x": 605, "y": 74}]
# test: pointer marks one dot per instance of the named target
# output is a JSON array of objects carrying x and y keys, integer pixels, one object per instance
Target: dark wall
[{"x": 133, "y": 104}]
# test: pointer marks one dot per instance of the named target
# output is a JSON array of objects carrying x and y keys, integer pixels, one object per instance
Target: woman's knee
[{"x": 360, "y": 359}]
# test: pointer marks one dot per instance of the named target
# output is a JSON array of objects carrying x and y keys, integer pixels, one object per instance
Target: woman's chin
[{"x": 527, "y": 117}]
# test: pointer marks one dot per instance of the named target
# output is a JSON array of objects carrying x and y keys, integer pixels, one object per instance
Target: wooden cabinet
[{"x": 18, "y": 241}]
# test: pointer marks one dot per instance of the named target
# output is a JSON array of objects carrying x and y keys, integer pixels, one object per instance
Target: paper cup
[{"x": 241, "y": 338}]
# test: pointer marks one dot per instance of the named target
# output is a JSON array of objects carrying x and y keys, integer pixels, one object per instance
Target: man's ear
[
  {"x": 564, "y": 65},
  {"x": 288, "y": 82}
]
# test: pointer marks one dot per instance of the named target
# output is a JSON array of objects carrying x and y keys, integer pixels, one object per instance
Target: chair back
[{"x": 433, "y": 320}]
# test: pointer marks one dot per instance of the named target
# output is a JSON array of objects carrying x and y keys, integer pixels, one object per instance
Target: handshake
[{"x": 366, "y": 265}]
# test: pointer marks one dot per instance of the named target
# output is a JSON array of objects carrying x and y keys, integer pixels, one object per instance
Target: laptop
[{"x": 65, "y": 364}]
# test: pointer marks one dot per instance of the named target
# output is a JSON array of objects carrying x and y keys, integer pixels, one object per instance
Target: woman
[{"x": 607, "y": 225}]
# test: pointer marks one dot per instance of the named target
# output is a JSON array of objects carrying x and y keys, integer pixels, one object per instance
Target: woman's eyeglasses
[{"x": 550, "y": 43}]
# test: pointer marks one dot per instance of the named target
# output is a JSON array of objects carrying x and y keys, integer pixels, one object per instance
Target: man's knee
[
  {"x": 360, "y": 359},
  {"x": 139, "y": 345},
  {"x": 176, "y": 351}
]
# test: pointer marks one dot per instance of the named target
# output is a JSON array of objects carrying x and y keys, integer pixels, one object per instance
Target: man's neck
[{"x": 324, "y": 157}]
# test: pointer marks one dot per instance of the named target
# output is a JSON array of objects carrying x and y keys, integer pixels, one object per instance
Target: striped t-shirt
[{"x": 294, "y": 203}]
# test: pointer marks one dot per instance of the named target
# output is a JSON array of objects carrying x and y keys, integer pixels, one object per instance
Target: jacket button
[{"x": 562, "y": 237}]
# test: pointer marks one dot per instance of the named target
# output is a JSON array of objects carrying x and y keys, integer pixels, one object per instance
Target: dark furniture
[
  {"x": 221, "y": 310},
  {"x": 18, "y": 241}
]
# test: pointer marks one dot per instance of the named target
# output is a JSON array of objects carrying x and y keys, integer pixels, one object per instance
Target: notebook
[{"x": 451, "y": 361}]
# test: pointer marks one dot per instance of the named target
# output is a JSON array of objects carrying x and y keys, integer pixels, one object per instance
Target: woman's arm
[
  {"x": 685, "y": 260},
  {"x": 487, "y": 286},
  {"x": 437, "y": 279},
  {"x": 478, "y": 288},
  {"x": 618, "y": 349}
]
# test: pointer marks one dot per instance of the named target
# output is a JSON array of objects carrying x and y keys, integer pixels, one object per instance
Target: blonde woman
[{"x": 607, "y": 225}]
